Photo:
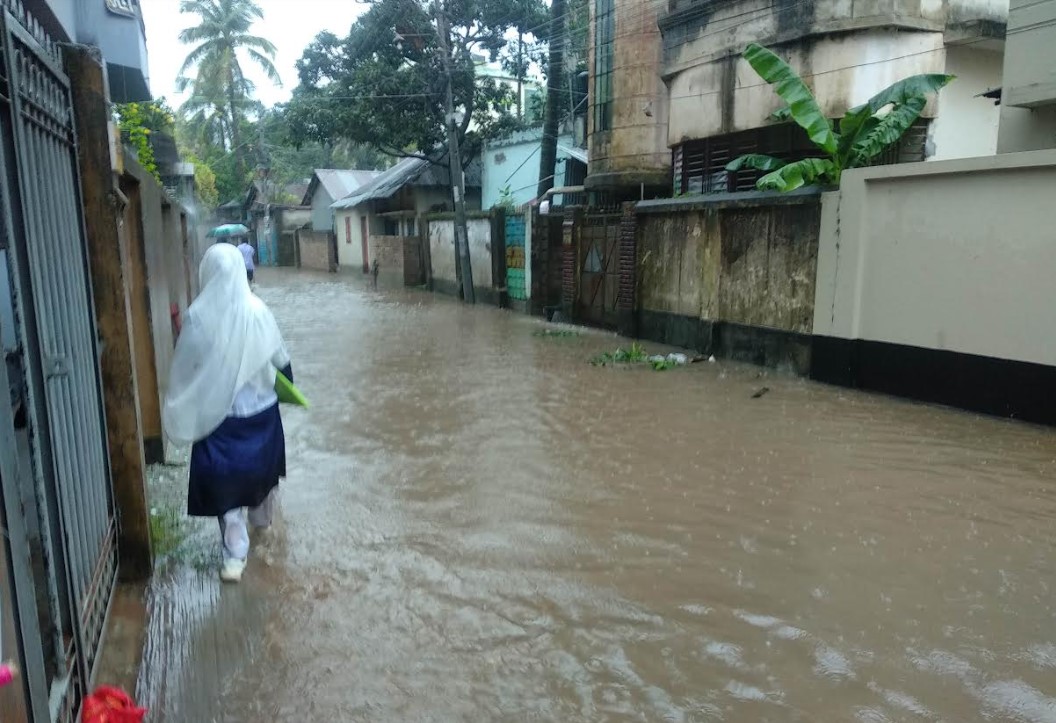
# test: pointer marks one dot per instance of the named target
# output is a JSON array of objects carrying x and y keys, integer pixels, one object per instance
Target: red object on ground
[{"x": 110, "y": 705}]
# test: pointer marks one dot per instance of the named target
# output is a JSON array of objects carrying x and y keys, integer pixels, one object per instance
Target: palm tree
[{"x": 218, "y": 39}]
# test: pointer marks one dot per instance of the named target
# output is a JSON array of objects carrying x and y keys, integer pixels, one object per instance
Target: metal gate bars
[{"x": 61, "y": 471}]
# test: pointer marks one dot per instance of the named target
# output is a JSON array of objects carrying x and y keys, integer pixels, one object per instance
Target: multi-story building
[
  {"x": 673, "y": 98},
  {"x": 627, "y": 123},
  {"x": 115, "y": 27},
  {"x": 1028, "y": 93}
]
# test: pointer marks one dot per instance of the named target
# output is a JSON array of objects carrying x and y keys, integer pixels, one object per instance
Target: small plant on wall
[
  {"x": 136, "y": 122},
  {"x": 505, "y": 201},
  {"x": 863, "y": 133}
]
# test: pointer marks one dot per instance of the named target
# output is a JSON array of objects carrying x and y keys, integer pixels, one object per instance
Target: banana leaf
[
  {"x": 287, "y": 392},
  {"x": 802, "y": 106}
]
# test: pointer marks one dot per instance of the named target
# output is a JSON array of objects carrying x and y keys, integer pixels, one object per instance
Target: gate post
[
  {"x": 538, "y": 259},
  {"x": 626, "y": 301},
  {"x": 498, "y": 256},
  {"x": 426, "y": 251},
  {"x": 571, "y": 230},
  {"x": 108, "y": 256}
]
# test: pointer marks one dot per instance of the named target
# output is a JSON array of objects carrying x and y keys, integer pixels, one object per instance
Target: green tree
[
  {"x": 222, "y": 34},
  {"x": 231, "y": 181},
  {"x": 383, "y": 85},
  {"x": 860, "y": 136},
  {"x": 205, "y": 183},
  {"x": 290, "y": 163}
]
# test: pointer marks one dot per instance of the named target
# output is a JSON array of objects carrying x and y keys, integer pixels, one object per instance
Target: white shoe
[{"x": 232, "y": 570}]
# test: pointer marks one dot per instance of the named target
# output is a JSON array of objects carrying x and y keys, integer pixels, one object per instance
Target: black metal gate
[
  {"x": 57, "y": 497},
  {"x": 599, "y": 269}
]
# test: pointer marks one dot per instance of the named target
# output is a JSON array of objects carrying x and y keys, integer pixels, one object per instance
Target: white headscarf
[{"x": 229, "y": 337}]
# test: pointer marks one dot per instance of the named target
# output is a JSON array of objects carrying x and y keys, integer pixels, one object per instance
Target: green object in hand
[{"x": 287, "y": 393}]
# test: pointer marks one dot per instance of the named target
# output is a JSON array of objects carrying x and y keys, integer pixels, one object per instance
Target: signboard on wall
[{"x": 127, "y": 8}]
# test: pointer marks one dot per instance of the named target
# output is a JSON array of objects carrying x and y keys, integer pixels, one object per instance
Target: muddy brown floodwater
[{"x": 479, "y": 525}]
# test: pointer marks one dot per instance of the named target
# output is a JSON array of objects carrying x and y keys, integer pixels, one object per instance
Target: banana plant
[{"x": 860, "y": 136}]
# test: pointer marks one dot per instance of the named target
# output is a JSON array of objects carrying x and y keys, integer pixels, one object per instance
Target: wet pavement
[{"x": 479, "y": 525}]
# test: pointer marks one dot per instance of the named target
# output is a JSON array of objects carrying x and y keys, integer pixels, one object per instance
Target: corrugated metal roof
[
  {"x": 339, "y": 183},
  {"x": 386, "y": 184},
  {"x": 578, "y": 154},
  {"x": 409, "y": 170}
]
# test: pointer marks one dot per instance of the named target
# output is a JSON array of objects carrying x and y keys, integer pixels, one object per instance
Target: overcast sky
[{"x": 289, "y": 24}]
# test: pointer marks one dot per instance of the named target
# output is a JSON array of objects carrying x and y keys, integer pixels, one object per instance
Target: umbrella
[{"x": 228, "y": 229}]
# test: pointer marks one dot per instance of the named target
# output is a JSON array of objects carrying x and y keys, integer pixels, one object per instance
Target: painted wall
[
  {"x": 1029, "y": 78},
  {"x": 66, "y": 13},
  {"x": 967, "y": 124},
  {"x": 322, "y": 214},
  {"x": 349, "y": 245},
  {"x": 122, "y": 39},
  {"x": 1026, "y": 129},
  {"x": 515, "y": 164},
  {"x": 1030, "y": 55},
  {"x": 635, "y": 149},
  {"x": 426, "y": 198},
  {"x": 846, "y": 51},
  {"x": 518, "y": 252},
  {"x": 443, "y": 257},
  {"x": 726, "y": 95},
  {"x": 693, "y": 38},
  {"x": 953, "y": 255},
  {"x": 158, "y": 242},
  {"x": 421, "y": 200}
]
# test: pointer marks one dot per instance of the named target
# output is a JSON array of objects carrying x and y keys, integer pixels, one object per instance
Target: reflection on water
[{"x": 479, "y": 525}]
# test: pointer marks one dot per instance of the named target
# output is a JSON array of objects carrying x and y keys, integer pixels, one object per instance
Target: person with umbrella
[
  {"x": 222, "y": 398},
  {"x": 247, "y": 252},
  {"x": 232, "y": 232}
]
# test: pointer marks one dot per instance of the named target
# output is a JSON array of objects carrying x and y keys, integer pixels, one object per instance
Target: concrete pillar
[
  {"x": 138, "y": 290},
  {"x": 108, "y": 254},
  {"x": 498, "y": 256},
  {"x": 626, "y": 303},
  {"x": 571, "y": 232}
]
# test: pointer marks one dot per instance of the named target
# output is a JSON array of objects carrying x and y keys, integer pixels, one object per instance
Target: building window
[
  {"x": 390, "y": 227},
  {"x": 604, "y": 46},
  {"x": 575, "y": 172},
  {"x": 700, "y": 166}
]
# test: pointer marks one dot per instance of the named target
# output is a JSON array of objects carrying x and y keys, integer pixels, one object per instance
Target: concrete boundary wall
[
  {"x": 443, "y": 258},
  {"x": 730, "y": 275},
  {"x": 935, "y": 282},
  {"x": 316, "y": 250},
  {"x": 953, "y": 255}
]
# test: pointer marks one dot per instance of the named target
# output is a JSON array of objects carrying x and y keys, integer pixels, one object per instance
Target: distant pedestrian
[
  {"x": 247, "y": 254},
  {"x": 222, "y": 398},
  {"x": 374, "y": 268}
]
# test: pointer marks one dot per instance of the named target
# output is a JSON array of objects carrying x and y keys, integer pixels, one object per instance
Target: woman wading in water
[{"x": 222, "y": 398}]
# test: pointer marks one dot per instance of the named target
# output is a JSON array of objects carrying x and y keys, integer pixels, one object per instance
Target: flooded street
[{"x": 479, "y": 525}]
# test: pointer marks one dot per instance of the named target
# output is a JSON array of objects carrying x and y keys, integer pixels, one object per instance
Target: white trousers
[{"x": 234, "y": 533}]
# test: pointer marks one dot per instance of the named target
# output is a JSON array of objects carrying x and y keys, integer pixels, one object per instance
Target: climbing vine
[{"x": 137, "y": 121}]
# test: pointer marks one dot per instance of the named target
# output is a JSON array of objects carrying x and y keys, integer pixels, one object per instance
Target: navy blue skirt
[{"x": 237, "y": 465}]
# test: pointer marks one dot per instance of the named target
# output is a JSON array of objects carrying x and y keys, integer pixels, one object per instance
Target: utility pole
[
  {"x": 554, "y": 73},
  {"x": 454, "y": 160},
  {"x": 520, "y": 75}
]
